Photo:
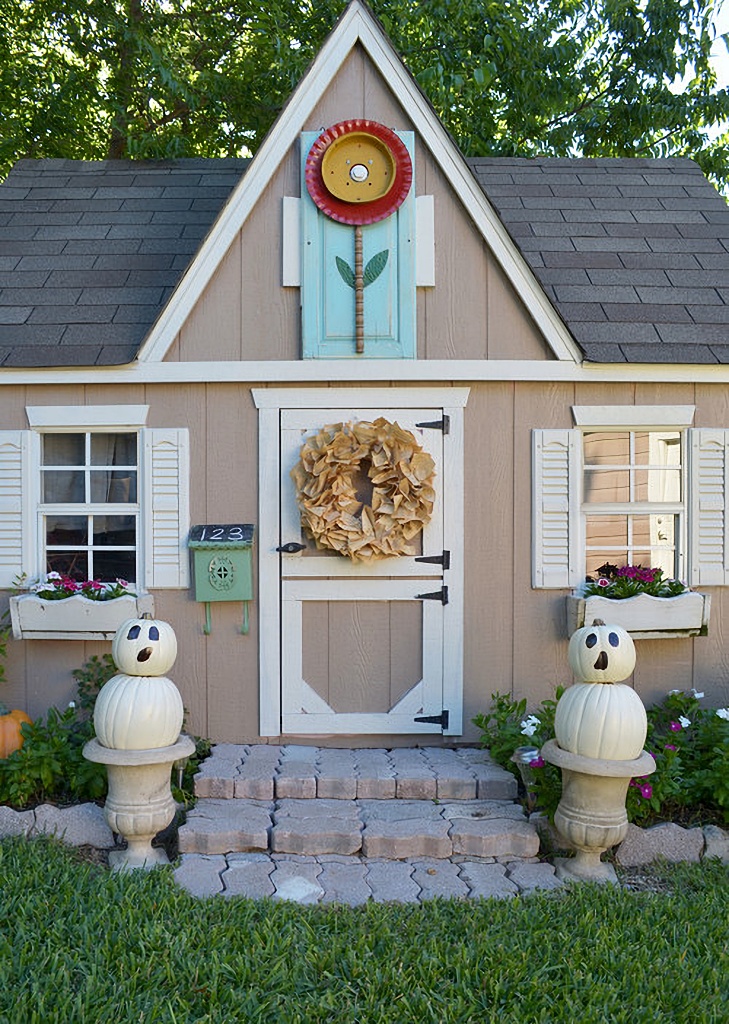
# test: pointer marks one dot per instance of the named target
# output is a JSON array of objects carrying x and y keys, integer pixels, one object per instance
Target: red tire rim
[{"x": 358, "y": 159}]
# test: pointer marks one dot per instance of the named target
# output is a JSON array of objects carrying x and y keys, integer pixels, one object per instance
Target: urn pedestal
[
  {"x": 139, "y": 803},
  {"x": 591, "y": 814}
]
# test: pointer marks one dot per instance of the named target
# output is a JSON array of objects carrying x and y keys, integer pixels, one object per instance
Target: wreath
[{"x": 364, "y": 489}]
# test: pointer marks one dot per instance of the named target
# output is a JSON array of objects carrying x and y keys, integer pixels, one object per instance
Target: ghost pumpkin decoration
[
  {"x": 599, "y": 716},
  {"x": 140, "y": 708}
]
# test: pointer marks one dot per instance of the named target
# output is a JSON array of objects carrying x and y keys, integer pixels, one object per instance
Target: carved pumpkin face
[
  {"x": 601, "y": 654},
  {"x": 144, "y": 647}
]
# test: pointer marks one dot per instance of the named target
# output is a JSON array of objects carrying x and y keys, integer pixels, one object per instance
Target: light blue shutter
[
  {"x": 555, "y": 509},
  {"x": 708, "y": 540},
  {"x": 165, "y": 507}
]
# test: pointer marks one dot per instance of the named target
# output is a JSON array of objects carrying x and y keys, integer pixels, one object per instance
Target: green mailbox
[{"x": 222, "y": 563}]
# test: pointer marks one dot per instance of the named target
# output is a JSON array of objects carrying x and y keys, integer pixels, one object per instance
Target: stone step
[
  {"x": 267, "y": 772},
  {"x": 488, "y": 830}
]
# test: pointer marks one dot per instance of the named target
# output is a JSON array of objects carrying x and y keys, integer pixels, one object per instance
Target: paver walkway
[{"x": 315, "y": 824}]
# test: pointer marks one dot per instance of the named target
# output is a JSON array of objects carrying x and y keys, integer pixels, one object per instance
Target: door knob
[{"x": 292, "y": 547}]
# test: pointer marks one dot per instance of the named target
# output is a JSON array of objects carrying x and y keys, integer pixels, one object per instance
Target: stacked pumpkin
[
  {"x": 140, "y": 708},
  {"x": 599, "y": 716}
]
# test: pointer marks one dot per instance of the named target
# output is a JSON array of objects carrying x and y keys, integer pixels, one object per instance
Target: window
[
  {"x": 94, "y": 492},
  {"x": 630, "y": 484},
  {"x": 632, "y": 499},
  {"x": 89, "y": 512}
]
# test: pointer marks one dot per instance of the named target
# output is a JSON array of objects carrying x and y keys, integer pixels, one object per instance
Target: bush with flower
[
  {"x": 619, "y": 582},
  {"x": 54, "y": 586},
  {"x": 689, "y": 743}
]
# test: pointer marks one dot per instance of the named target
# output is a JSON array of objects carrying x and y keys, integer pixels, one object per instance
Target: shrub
[{"x": 689, "y": 744}]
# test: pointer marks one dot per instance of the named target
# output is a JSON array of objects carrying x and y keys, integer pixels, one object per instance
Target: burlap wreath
[{"x": 338, "y": 461}]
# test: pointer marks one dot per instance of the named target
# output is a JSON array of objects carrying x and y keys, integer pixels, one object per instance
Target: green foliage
[
  {"x": 89, "y": 680},
  {"x": 620, "y": 582},
  {"x": 50, "y": 766},
  {"x": 689, "y": 744},
  {"x": 143, "y": 78},
  {"x": 80, "y": 945},
  {"x": 506, "y": 727}
]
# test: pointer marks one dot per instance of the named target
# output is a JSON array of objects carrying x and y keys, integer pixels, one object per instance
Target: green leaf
[
  {"x": 346, "y": 271},
  {"x": 375, "y": 266}
]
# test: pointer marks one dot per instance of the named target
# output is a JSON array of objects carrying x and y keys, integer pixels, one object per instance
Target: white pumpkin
[
  {"x": 601, "y": 654},
  {"x": 601, "y": 720},
  {"x": 138, "y": 712},
  {"x": 144, "y": 647}
]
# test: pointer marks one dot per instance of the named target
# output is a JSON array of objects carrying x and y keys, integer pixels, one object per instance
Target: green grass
[{"x": 81, "y": 946}]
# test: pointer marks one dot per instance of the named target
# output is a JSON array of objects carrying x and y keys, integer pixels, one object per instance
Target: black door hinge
[
  {"x": 442, "y": 424},
  {"x": 441, "y": 719},
  {"x": 436, "y": 595},
  {"x": 444, "y": 559}
]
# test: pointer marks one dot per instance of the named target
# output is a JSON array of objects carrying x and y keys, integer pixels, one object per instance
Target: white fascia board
[
  {"x": 317, "y": 398},
  {"x": 374, "y": 371},
  {"x": 356, "y": 25}
]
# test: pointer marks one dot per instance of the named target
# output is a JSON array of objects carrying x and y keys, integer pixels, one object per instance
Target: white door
[{"x": 362, "y": 644}]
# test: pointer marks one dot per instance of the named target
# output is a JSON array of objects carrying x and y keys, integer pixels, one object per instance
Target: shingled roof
[
  {"x": 90, "y": 251},
  {"x": 634, "y": 253}
]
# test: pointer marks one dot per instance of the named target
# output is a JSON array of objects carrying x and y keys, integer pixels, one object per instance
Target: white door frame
[{"x": 269, "y": 402}]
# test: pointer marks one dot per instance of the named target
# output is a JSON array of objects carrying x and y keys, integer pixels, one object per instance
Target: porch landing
[{"x": 316, "y": 824}]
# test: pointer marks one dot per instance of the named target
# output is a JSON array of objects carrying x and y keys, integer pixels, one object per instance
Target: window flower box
[
  {"x": 74, "y": 618},
  {"x": 643, "y": 616}
]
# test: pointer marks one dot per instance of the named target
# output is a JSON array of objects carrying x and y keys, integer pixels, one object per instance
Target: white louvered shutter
[
  {"x": 708, "y": 540},
  {"x": 165, "y": 507},
  {"x": 555, "y": 508},
  {"x": 15, "y": 491}
]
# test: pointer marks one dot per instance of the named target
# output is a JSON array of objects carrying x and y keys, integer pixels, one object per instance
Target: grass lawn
[{"x": 81, "y": 946}]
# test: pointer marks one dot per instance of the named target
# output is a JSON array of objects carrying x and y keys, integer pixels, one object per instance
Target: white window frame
[
  {"x": 558, "y": 523},
  {"x": 162, "y": 491}
]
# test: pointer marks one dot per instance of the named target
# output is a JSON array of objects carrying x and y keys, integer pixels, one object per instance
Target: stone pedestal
[
  {"x": 591, "y": 814},
  {"x": 139, "y": 803}
]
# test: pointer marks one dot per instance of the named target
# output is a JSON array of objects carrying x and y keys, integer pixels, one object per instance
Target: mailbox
[{"x": 222, "y": 564}]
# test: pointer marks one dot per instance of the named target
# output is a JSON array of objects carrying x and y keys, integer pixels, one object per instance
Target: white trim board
[
  {"x": 345, "y": 371},
  {"x": 619, "y": 417},
  {"x": 86, "y": 417},
  {"x": 357, "y": 25}
]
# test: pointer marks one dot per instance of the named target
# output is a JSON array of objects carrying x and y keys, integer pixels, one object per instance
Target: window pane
[
  {"x": 113, "y": 449},
  {"x": 114, "y": 486},
  {"x": 607, "y": 531},
  {"x": 63, "y": 449},
  {"x": 607, "y": 485},
  {"x": 114, "y": 531},
  {"x": 68, "y": 563},
  {"x": 115, "y": 565},
  {"x": 657, "y": 485},
  {"x": 63, "y": 485},
  {"x": 657, "y": 448},
  {"x": 604, "y": 448},
  {"x": 65, "y": 530}
]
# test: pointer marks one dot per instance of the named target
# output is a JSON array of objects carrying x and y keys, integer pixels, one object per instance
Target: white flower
[
  {"x": 72, "y": 704},
  {"x": 671, "y": 692},
  {"x": 697, "y": 695},
  {"x": 723, "y": 713},
  {"x": 685, "y": 722},
  {"x": 530, "y": 725}
]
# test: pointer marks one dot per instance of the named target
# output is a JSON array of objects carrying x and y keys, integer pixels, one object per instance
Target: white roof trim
[{"x": 355, "y": 25}]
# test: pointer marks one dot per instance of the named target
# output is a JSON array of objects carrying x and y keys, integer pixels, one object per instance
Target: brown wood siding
[{"x": 245, "y": 313}]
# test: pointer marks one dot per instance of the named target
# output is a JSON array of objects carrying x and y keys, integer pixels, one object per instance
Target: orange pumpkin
[{"x": 11, "y": 738}]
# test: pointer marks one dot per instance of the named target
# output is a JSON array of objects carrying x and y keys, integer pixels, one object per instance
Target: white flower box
[
  {"x": 643, "y": 616},
  {"x": 74, "y": 618}
]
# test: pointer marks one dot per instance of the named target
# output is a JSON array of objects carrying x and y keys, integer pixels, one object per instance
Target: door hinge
[
  {"x": 441, "y": 719},
  {"x": 444, "y": 559},
  {"x": 443, "y": 424},
  {"x": 436, "y": 595}
]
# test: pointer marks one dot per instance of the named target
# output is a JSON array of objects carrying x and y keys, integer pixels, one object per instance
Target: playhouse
[{"x": 358, "y": 415}]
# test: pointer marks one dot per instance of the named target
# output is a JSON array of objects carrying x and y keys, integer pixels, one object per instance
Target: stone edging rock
[{"x": 78, "y": 825}]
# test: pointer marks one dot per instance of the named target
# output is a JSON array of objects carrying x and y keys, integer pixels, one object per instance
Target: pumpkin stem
[{"x": 598, "y": 622}]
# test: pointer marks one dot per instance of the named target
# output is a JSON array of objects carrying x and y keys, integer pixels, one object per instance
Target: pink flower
[
  {"x": 646, "y": 791},
  {"x": 602, "y": 582},
  {"x": 675, "y": 727},
  {"x": 670, "y": 746},
  {"x": 537, "y": 762}
]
